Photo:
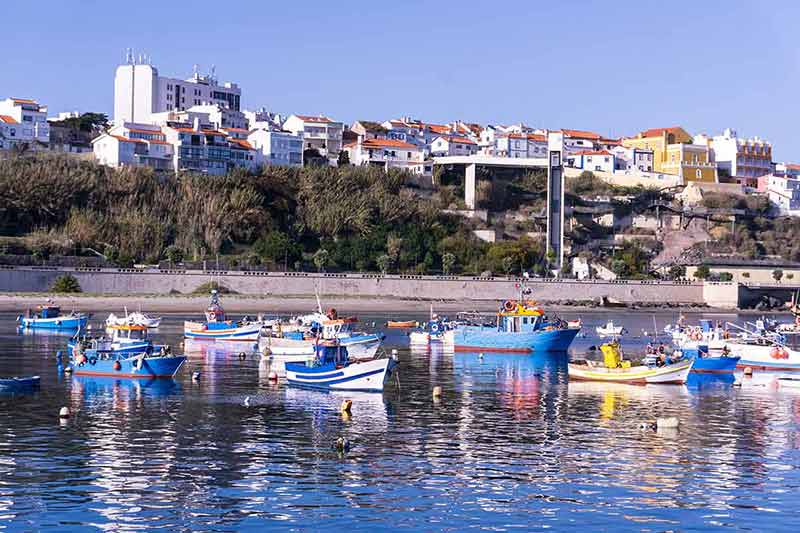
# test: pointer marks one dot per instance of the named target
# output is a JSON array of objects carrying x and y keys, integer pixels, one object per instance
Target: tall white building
[
  {"x": 741, "y": 158},
  {"x": 139, "y": 91},
  {"x": 320, "y": 133},
  {"x": 23, "y": 121},
  {"x": 277, "y": 147}
]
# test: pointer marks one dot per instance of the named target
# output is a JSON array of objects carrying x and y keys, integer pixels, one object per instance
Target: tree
[
  {"x": 343, "y": 159},
  {"x": 677, "y": 272},
  {"x": 321, "y": 257},
  {"x": 448, "y": 262},
  {"x": 173, "y": 254},
  {"x": 725, "y": 276},
  {"x": 66, "y": 283},
  {"x": 277, "y": 247},
  {"x": 777, "y": 274},
  {"x": 702, "y": 272},
  {"x": 384, "y": 263},
  {"x": 508, "y": 265}
]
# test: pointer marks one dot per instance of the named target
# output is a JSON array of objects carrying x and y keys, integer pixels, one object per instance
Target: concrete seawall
[{"x": 135, "y": 281}]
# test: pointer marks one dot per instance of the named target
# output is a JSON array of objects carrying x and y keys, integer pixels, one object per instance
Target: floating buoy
[
  {"x": 64, "y": 412},
  {"x": 748, "y": 371},
  {"x": 272, "y": 376},
  {"x": 342, "y": 444},
  {"x": 242, "y": 356},
  {"x": 480, "y": 356},
  {"x": 196, "y": 375},
  {"x": 181, "y": 344},
  {"x": 246, "y": 401},
  {"x": 117, "y": 366},
  {"x": 266, "y": 352},
  {"x": 68, "y": 370},
  {"x": 346, "y": 405},
  {"x": 437, "y": 391},
  {"x": 644, "y": 426},
  {"x": 667, "y": 422}
]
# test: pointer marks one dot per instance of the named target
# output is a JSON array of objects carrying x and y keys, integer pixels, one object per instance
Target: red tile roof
[
  {"x": 23, "y": 101},
  {"x": 120, "y": 138},
  {"x": 310, "y": 118},
  {"x": 658, "y": 132},
  {"x": 8, "y": 120},
  {"x": 241, "y": 130},
  {"x": 213, "y": 132},
  {"x": 156, "y": 141},
  {"x": 610, "y": 141},
  {"x": 529, "y": 136},
  {"x": 594, "y": 152},
  {"x": 148, "y": 132},
  {"x": 580, "y": 134},
  {"x": 460, "y": 140},
  {"x": 242, "y": 143},
  {"x": 392, "y": 143},
  {"x": 792, "y": 166},
  {"x": 439, "y": 129}
]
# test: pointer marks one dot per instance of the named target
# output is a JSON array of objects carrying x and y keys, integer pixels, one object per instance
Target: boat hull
[
  {"x": 715, "y": 365},
  {"x": 249, "y": 333},
  {"x": 19, "y": 384},
  {"x": 78, "y": 322},
  {"x": 760, "y": 357},
  {"x": 129, "y": 367},
  {"x": 476, "y": 338},
  {"x": 367, "y": 376},
  {"x": 639, "y": 375}
]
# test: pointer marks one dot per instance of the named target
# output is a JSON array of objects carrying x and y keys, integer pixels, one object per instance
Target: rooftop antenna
[
  {"x": 194, "y": 69},
  {"x": 213, "y": 72}
]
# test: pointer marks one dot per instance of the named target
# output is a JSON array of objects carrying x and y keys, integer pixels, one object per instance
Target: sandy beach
[{"x": 235, "y": 303}]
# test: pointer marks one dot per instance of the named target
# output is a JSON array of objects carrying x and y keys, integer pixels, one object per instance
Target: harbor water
[{"x": 509, "y": 445}]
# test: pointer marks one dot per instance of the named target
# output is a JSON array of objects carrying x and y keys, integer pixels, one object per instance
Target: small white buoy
[
  {"x": 748, "y": 371},
  {"x": 242, "y": 356},
  {"x": 342, "y": 444},
  {"x": 68, "y": 369},
  {"x": 667, "y": 422},
  {"x": 480, "y": 356},
  {"x": 64, "y": 412},
  {"x": 394, "y": 351},
  {"x": 196, "y": 375},
  {"x": 437, "y": 391},
  {"x": 272, "y": 376},
  {"x": 247, "y": 401}
]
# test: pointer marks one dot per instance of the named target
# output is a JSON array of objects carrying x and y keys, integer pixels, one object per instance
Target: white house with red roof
[
  {"x": 319, "y": 133},
  {"x": 594, "y": 160},
  {"x": 449, "y": 145},
  {"x": 388, "y": 153},
  {"x": 783, "y": 192},
  {"x": 131, "y": 144},
  {"x": 23, "y": 121},
  {"x": 580, "y": 141}
]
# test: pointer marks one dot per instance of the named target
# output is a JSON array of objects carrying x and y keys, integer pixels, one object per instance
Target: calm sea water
[{"x": 511, "y": 445}]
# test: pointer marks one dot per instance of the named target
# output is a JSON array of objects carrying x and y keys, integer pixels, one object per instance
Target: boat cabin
[
  {"x": 134, "y": 333},
  {"x": 331, "y": 353},
  {"x": 520, "y": 317},
  {"x": 215, "y": 312},
  {"x": 333, "y": 329},
  {"x": 46, "y": 311}
]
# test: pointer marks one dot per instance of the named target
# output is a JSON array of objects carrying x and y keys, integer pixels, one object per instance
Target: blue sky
[{"x": 612, "y": 67}]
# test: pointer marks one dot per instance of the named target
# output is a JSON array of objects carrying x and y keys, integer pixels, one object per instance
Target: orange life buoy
[
  {"x": 117, "y": 365},
  {"x": 779, "y": 353},
  {"x": 509, "y": 305}
]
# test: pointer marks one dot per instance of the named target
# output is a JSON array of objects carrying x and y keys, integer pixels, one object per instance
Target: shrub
[
  {"x": 725, "y": 276},
  {"x": 702, "y": 272},
  {"x": 207, "y": 287},
  {"x": 66, "y": 283}
]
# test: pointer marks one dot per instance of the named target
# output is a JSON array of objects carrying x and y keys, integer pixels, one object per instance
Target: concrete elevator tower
[{"x": 555, "y": 197}]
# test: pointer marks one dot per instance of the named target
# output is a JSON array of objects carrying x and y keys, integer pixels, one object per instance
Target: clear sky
[{"x": 615, "y": 67}]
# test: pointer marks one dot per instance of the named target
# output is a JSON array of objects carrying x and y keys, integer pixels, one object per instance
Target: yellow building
[{"x": 674, "y": 153}]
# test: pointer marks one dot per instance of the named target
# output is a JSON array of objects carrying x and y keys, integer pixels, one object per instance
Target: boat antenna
[
  {"x": 319, "y": 303},
  {"x": 655, "y": 329}
]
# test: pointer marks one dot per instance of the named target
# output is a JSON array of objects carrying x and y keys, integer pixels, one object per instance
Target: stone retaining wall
[{"x": 133, "y": 281}]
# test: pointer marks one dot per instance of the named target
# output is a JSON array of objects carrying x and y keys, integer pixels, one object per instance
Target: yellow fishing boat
[{"x": 614, "y": 369}]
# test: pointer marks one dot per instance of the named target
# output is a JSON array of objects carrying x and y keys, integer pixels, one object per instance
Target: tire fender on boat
[{"x": 93, "y": 360}]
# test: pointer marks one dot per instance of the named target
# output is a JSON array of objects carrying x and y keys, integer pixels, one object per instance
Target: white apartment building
[
  {"x": 740, "y": 157},
  {"x": 131, "y": 144},
  {"x": 175, "y": 147},
  {"x": 277, "y": 147},
  {"x": 448, "y": 145},
  {"x": 784, "y": 193},
  {"x": 632, "y": 159},
  {"x": 579, "y": 141},
  {"x": 387, "y": 153},
  {"x": 139, "y": 91},
  {"x": 319, "y": 133},
  {"x": 262, "y": 118},
  {"x": 23, "y": 122},
  {"x": 594, "y": 160}
]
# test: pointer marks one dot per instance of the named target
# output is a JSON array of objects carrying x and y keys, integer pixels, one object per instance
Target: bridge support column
[
  {"x": 470, "y": 186},
  {"x": 555, "y": 201}
]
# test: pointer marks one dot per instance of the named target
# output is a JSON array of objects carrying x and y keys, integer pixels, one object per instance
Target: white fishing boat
[
  {"x": 610, "y": 330},
  {"x": 299, "y": 345},
  {"x": 613, "y": 369},
  {"x": 136, "y": 318},
  {"x": 331, "y": 369},
  {"x": 218, "y": 328}
]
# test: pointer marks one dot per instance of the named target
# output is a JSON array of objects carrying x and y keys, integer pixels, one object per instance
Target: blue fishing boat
[
  {"x": 330, "y": 369},
  {"x": 521, "y": 327},
  {"x": 128, "y": 339},
  {"x": 50, "y": 317},
  {"x": 708, "y": 364},
  {"x": 91, "y": 360},
  {"x": 12, "y": 385},
  {"x": 218, "y": 328}
]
